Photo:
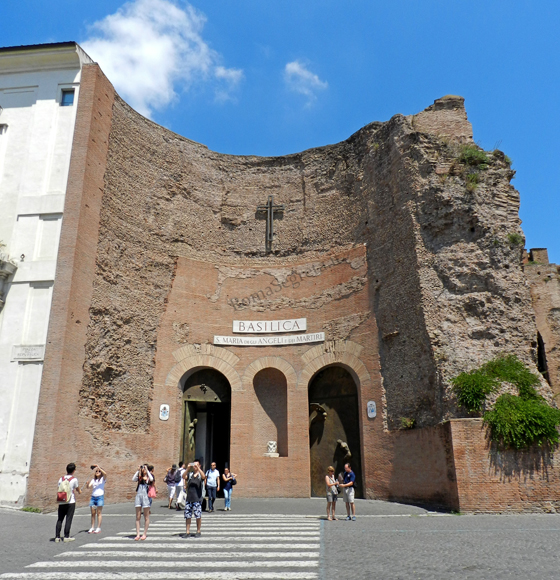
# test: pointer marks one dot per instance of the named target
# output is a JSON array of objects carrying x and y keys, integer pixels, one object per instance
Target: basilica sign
[
  {"x": 269, "y": 340},
  {"x": 262, "y": 326}
]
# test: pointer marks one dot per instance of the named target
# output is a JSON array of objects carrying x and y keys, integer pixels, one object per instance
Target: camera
[{"x": 93, "y": 466}]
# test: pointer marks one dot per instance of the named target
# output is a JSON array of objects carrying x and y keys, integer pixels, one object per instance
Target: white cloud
[
  {"x": 301, "y": 80},
  {"x": 230, "y": 78},
  {"x": 150, "y": 49}
]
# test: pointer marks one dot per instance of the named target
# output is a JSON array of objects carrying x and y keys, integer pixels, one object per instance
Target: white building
[{"x": 39, "y": 92}]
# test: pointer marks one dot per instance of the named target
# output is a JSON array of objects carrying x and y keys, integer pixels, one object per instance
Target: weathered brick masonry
[{"x": 381, "y": 245}]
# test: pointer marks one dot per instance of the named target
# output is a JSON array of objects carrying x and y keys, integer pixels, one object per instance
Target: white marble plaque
[
  {"x": 265, "y": 326},
  {"x": 371, "y": 409},
  {"x": 28, "y": 352},
  {"x": 164, "y": 412},
  {"x": 269, "y": 340}
]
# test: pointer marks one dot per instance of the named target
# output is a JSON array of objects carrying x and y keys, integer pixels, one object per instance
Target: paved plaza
[{"x": 284, "y": 539}]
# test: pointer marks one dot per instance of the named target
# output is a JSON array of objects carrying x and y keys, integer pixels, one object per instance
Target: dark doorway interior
[
  {"x": 334, "y": 431},
  {"x": 206, "y": 419}
]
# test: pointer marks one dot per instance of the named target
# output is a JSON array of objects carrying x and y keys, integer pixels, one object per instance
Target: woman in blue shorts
[{"x": 97, "y": 485}]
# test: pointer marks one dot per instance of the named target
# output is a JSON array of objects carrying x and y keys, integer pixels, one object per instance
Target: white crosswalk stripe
[{"x": 230, "y": 548}]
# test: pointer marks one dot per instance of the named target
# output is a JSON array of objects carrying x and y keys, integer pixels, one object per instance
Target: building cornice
[{"x": 42, "y": 57}]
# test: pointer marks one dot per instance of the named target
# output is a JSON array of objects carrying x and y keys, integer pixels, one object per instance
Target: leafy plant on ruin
[
  {"x": 473, "y": 156},
  {"x": 472, "y": 388},
  {"x": 515, "y": 239},
  {"x": 514, "y": 421},
  {"x": 472, "y": 181},
  {"x": 407, "y": 423}
]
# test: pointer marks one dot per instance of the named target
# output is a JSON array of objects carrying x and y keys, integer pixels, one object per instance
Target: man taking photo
[{"x": 193, "y": 478}]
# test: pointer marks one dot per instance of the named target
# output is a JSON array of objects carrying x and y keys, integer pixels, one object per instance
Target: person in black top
[{"x": 194, "y": 478}]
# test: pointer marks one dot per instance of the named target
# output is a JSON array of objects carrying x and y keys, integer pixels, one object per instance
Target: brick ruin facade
[{"x": 382, "y": 245}]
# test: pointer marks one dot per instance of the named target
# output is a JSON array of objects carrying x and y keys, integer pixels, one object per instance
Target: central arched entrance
[
  {"x": 206, "y": 418},
  {"x": 334, "y": 429}
]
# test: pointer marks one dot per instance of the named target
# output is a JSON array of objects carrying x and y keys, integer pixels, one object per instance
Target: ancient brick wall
[
  {"x": 381, "y": 245},
  {"x": 544, "y": 280},
  {"x": 490, "y": 480},
  {"x": 59, "y": 437}
]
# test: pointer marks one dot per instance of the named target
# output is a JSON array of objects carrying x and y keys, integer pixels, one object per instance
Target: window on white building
[{"x": 67, "y": 98}]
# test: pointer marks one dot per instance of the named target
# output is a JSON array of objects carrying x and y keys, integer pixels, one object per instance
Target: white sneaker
[
  {"x": 68, "y": 539},
  {"x": 91, "y": 530},
  {"x": 97, "y": 531}
]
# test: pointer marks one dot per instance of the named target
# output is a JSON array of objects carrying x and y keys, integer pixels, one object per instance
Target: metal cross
[{"x": 269, "y": 208}]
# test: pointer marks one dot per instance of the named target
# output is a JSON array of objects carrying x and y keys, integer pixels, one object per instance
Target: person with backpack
[
  {"x": 67, "y": 486},
  {"x": 230, "y": 479},
  {"x": 169, "y": 479},
  {"x": 97, "y": 485},
  {"x": 142, "y": 501},
  {"x": 212, "y": 485},
  {"x": 179, "y": 484}
]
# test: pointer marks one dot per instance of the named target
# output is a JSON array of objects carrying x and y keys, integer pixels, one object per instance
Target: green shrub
[
  {"x": 515, "y": 421},
  {"x": 472, "y": 181},
  {"x": 31, "y": 509},
  {"x": 472, "y": 388},
  {"x": 508, "y": 160},
  {"x": 515, "y": 239},
  {"x": 518, "y": 422},
  {"x": 473, "y": 156},
  {"x": 509, "y": 369},
  {"x": 407, "y": 423}
]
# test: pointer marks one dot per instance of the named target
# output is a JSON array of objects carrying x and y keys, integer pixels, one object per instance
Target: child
[{"x": 97, "y": 485}]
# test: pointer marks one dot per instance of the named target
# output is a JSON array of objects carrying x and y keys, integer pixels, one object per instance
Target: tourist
[
  {"x": 348, "y": 492},
  {"x": 179, "y": 482},
  {"x": 152, "y": 487},
  {"x": 332, "y": 493},
  {"x": 230, "y": 479},
  {"x": 194, "y": 478},
  {"x": 142, "y": 502},
  {"x": 97, "y": 486},
  {"x": 212, "y": 485},
  {"x": 170, "y": 480},
  {"x": 67, "y": 486}
]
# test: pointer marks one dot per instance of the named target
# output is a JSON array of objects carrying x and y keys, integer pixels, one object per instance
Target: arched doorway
[
  {"x": 334, "y": 429},
  {"x": 206, "y": 418}
]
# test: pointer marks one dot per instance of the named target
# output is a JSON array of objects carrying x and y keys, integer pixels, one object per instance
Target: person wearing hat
[{"x": 170, "y": 480}]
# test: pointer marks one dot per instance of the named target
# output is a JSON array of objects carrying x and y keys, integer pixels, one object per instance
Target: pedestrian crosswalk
[{"x": 237, "y": 548}]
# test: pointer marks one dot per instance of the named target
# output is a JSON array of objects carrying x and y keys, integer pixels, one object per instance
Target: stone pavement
[{"x": 285, "y": 539}]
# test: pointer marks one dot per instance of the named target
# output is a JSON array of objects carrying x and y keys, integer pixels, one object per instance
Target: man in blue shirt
[
  {"x": 212, "y": 485},
  {"x": 348, "y": 491}
]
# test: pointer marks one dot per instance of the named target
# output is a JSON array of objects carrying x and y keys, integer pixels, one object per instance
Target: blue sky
[{"x": 271, "y": 78}]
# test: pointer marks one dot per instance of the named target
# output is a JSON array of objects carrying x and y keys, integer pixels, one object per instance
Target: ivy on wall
[{"x": 515, "y": 421}]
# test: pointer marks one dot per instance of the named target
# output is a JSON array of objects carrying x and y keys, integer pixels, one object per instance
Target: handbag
[
  {"x": 234, "y": 481},
  {"x": 152, "y": 491}
]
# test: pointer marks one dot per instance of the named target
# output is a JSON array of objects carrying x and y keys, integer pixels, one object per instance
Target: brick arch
[
  {"x": 274, "y": 362},
  {"x": 190, "y": 364},
  {"x": 339, "y": 353}
]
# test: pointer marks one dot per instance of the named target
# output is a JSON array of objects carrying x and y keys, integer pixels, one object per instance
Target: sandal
[
  {"x": 143, "y": 537},
  {"x": 136, "y": 538},
  {"x": 329, "y": 519}
]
